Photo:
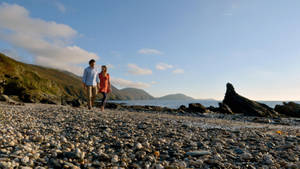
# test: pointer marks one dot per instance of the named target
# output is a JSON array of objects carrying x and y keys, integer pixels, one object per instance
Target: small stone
[
  {"x": 246, "y": 156},
  {"x": 238, "y": 151},
  {"x": 25, "y": 160},
  {"x": 139, "y": 146},
  {"x": 218, "y": 157},
  {"x": 159, "y": 166},
  {"x": 115, "y": 159},
  {"x": 64, "y": 140},
  {"x": 198, "y": 153},
  {"x": 182, "y": 164},
  {"x": 11, "y": 143},
  {"x": 268, "y": 159},
  {"x": 70, "y": 165}
]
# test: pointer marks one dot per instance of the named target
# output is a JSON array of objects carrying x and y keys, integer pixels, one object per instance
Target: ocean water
[{"x": 178, "y": 103}]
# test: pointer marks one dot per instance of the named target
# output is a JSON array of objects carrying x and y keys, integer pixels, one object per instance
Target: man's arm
[{"x": 98, "y": 81}]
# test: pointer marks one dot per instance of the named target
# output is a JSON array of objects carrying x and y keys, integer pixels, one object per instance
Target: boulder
[
  {"x": 182, "y": 108},
  {"x": 197, "y": 107},
  {"x": 291, "y": 109},
  {"x": 111, "y": 105},
  {"x": 242, "y": 105},
  {"x": 224, "y": 108},
  {"x": 74, "y": 102}
]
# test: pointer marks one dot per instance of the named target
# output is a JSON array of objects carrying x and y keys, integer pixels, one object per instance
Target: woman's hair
[{"x": 105, "y": 67}]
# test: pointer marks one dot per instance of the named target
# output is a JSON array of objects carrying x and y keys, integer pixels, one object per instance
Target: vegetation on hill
[{"x": 32, "y": 83}]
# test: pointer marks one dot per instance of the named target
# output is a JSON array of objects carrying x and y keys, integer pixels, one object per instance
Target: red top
[{"x": 104, "y": 83}]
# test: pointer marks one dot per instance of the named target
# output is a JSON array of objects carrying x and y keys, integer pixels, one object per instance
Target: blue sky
[{"x": 164, "y": 46}]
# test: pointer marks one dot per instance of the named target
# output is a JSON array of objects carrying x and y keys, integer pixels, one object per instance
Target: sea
[{"x": 177, "y": 103}]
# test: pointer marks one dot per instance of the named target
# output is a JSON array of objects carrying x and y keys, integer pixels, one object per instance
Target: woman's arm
[{"x": 109, "y": 84}]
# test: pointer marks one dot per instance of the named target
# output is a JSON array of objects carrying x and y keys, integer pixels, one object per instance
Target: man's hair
[{"x": 92, "y": 61}]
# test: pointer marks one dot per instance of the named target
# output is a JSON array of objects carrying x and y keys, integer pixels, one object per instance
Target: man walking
[{"x": 91, "y": 81}]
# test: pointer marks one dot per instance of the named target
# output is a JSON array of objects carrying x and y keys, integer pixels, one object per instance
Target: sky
[{"x": 192, "y": 47}]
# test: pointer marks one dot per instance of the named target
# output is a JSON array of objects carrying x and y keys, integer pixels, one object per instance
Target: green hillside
[{"x": 31, "y": 83}]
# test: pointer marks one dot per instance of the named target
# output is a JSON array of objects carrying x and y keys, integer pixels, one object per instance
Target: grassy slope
[{"x": 35, "y": 83}]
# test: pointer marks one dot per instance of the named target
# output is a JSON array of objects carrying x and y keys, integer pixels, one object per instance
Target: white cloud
[
  {"x": 122, "y": 83},
  {"x": 60, "y": 7},
  {"x": 135, "y": 70},
  {"x": 178, "y": 71},
  {"x": 48, "y": 42},
  {"x": 147, "y": 51},
  {"x": 163, "y": 66},
  {"x": 154, "y": 82}
]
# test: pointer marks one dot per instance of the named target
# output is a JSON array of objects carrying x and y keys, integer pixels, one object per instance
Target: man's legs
[
  {"x": 94, "y": 93},
  {"x": 89, "y": 93}
]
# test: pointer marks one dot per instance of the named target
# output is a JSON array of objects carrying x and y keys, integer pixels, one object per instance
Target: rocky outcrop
[
  {"x": 242, "y": 105},
  {"x": 289, "y": 109},
  {"x": 224, "y": 108},
  {"x": 74, "y": 102},
  {"x": 197, "y": 107}
]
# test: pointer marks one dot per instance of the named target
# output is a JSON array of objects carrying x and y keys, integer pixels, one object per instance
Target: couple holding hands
[{"x": 94, "y": 83}]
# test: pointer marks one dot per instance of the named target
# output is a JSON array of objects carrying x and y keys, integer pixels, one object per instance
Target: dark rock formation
[
  {"x": 288, "y": 109},
  {"x": 240, "y": 104},
  {"x": 197, "y": 107},
  {"x": 110, "y": 105},
  {"x": 182, "y": 108},
  {"x": 224, "y": 108},
  {"x": 74, "y": 102}
]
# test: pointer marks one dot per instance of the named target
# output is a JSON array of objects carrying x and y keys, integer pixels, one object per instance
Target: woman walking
[{"x": 104, "y": 86}]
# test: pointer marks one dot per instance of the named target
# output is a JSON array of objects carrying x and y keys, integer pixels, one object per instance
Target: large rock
[
  {"x": 225, "y": 109},
  {"x": 289, "y": 109},
  {"x": 74, "y": 102},
  {"x": 111, "y": 105},
  {"x": 197, "y": 107},
  {"x": 240, "y": 104}
]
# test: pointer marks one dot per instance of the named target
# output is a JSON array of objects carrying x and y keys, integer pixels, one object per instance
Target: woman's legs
[{"x": 103, "y": 100}]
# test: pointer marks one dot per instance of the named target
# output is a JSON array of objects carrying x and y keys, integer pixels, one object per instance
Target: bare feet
[{"x": 102, "y": 108}]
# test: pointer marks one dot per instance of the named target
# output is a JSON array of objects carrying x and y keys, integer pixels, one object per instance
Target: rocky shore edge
[{"x": 233, "y": 103}]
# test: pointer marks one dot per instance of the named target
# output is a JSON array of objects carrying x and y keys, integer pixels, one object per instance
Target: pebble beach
[{"x": 53, "y": 136}]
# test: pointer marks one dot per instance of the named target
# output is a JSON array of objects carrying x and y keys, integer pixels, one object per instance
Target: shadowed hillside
[{"x": 31, "y": 83}]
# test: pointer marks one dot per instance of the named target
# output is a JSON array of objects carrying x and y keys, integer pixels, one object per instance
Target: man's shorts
[{"x": 92, "y": 91}]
